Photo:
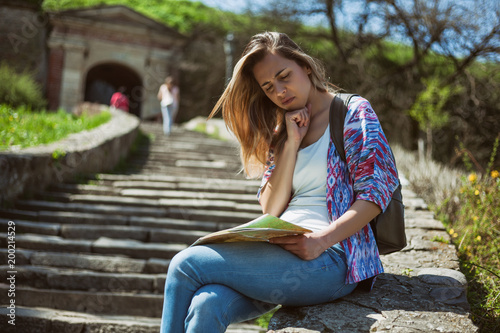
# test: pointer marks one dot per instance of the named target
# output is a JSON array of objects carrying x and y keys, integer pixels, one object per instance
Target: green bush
[
  {"x": 22, "y": 128},
  {"x": 19, "y": 89},
  {"x": 474, "y": 226}
]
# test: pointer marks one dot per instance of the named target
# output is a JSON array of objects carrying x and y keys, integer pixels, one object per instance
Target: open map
[{"x": 259, "y": 230}]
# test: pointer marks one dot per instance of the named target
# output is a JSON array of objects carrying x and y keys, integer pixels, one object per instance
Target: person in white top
[
  {"x": 169, "y": 102},
  {"x": 277, "y": 104}
]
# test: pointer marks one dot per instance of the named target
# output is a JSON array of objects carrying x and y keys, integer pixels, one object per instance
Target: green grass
[
  {"x": 469, "y": 207},
  {"x": 20, "y": 127},
  {"x": 263, "y": 321},
  {"x": 476, "y": 232},
  {"x": 473, "y": 221},
  {"x": 183, "y": 15}
]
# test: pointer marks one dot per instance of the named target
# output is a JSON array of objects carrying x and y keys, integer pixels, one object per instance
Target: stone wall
[{"x": 97, "y": 150}]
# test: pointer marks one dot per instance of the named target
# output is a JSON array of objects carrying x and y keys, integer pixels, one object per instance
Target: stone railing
[{"x": 26, "y": 170}]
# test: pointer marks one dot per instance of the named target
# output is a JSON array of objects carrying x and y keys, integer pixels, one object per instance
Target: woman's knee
[
  {"x": 181, "y": 260},
  {"x": 188, "y": 262},
  {"x": 208, "y": 308}
]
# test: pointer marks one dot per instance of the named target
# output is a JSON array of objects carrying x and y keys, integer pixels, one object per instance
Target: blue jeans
[
  {"x": 209, "y": 287},
  {"x": 167, "y": 113}
]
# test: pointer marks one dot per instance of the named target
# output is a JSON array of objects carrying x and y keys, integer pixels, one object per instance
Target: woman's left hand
[{"x": 307, "y": 246}]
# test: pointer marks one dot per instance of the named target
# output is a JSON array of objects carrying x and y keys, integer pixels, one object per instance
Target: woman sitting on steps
[{"x": 277, "y": 105}]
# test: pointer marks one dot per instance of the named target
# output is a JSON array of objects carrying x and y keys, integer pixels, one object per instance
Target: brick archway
[{"x": 104, "y": 79}]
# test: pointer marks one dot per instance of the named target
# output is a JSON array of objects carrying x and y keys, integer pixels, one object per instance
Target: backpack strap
[{"x": 338, "y": 112}]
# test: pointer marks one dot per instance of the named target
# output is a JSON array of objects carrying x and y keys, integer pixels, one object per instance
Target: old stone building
[{"x": 87, "y": 54}]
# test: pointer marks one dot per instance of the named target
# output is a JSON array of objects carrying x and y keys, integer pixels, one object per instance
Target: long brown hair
[{"x": 255, "y": 120}]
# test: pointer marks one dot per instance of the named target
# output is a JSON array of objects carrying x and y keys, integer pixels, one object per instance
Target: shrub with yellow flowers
[{"x": 474, "y": 228}]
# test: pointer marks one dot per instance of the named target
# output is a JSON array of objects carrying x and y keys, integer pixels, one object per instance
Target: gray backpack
[{"x": 389, "y": 226}]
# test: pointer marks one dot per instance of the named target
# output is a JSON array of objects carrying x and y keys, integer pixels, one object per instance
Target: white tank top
[{"x": 307, "y": 207}]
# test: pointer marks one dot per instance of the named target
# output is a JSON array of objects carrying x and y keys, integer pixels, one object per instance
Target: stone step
[
  {"x": 64, "y": 217},
  {"x": 178, "y": 171},
  {"x": 103, "y": 245},
  {"x": 233, "y": 218},
  {"x": 217, "y": 211},
  {"x": 43, "y": 320},
  {"x": 145, "y": 181},
  {"x": 81, "y": 231},
  {"x": 84, "y": 189},
  {"x": 38, "y": 205},
  {"x": 188, "y": 166},
  {"x": 34, "y": 227},
  {"x": 221, "y": 187},
  {"x": 185, "y": 222},
  {"x": 189, "y": 141},
  {"x": 12, "y": 213},
  {"x": 145, "y": 193},
  {"x": 189, "y": 150},
  {"x": 89, "y": 301},
  {"x": 131, "y": 205},
  {"x": 90, "y": 262},
  {"x": 169, "y": 154},
  {"x": 76, "y": 279},
  {"x": 219, "y": 181},
  {"x": 139, "y": 193}
]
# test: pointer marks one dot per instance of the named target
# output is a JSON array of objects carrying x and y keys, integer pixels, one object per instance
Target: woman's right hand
[
  {"x": 275, "y": 195},
  {"x": 297, "y": 124}
]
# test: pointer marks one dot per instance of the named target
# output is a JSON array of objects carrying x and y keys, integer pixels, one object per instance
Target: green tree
[{"x": 429, "y": 108}]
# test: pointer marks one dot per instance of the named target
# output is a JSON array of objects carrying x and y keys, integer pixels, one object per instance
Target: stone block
[
  {"x": 136, "y": 249},
  {"x": 91, "y": 302},
  {"x": 157, "y": 266},
  {"x": 52, "y": 243},
  {"x": 115, "y": 264},
  {"x": 27, "y": 227},
  {"x": 396, "y": 304},
  {"x": 95, "y": 231}
]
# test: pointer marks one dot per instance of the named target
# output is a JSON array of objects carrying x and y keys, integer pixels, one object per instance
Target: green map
[{"x": 259, "y": 230}]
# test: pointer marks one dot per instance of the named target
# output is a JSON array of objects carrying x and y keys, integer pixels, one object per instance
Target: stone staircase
[{"x": 91, "y": 255}]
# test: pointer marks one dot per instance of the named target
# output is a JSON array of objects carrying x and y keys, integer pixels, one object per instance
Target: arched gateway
[
  {"x": 104, "y": 79},
  {"x": 94, "y": 51}
]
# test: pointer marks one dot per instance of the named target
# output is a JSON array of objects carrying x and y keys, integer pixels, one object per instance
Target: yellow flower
[
  {"x": 472, "y": 177},
  {"x": 478, "y": 238},
  {"x": 495, "y": 174},
  {"x": 475, "y": 218},
  {"x": 476, "y": 192},
  {"x": 455, "y": 235},
  {"x": 451, "y": 232}
]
